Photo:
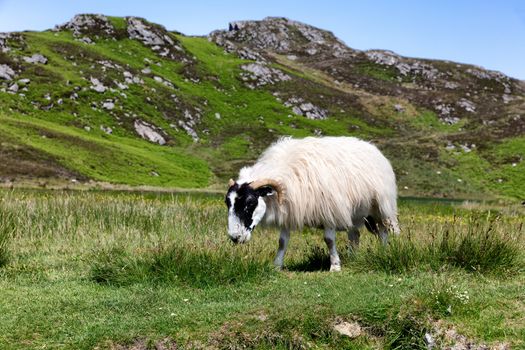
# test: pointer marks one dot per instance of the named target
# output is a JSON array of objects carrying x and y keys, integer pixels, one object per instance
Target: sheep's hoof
[
  {"x": 335, "y": 268},
  {"x": 278, "y": 267}
]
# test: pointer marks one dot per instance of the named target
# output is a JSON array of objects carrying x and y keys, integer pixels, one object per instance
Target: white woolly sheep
[{"x": 334, "y": 183}]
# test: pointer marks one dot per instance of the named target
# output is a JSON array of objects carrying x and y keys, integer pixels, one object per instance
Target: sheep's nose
[{"x": 235, "y": 239}]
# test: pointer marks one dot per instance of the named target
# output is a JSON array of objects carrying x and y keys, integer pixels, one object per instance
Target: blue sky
[{"x": 487, "y": 33}]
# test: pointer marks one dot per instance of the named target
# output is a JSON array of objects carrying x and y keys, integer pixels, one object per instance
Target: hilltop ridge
[{"x": 123, "y": 100}]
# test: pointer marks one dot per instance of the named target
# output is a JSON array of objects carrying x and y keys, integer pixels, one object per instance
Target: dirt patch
[
  {"x": 142, "y": 344},
  {"x": 232, "y": 335},
  {"x": 443, "y": 336}
]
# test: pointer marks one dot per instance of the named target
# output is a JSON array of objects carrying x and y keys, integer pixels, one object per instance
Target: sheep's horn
[
  {"x": 272, "y": 183},
  {"x": 231, "y": 183}
]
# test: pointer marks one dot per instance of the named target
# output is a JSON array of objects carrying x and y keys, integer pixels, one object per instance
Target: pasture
[{"x": 114, "y": 270}]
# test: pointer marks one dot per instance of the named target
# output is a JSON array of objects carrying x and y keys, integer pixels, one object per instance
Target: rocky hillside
[{"x": 123, "y": 100}]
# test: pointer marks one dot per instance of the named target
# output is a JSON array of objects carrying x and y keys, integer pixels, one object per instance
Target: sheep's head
[{"x": 246, "y": 206}]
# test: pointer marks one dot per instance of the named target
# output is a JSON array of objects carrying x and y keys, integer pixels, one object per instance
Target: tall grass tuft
[
  {"x": 480, "y": 248},
  {"x": 7, "y": 228},
  {"x": 478, "y": 244},
  {"x": 186, "y": 265}
]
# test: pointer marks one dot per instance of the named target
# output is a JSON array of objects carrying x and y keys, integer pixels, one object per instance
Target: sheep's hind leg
[
  {"x": 283, "y": 244},
  {"x": 329, "y": 238},
  {"x": 353, "y": 239}
]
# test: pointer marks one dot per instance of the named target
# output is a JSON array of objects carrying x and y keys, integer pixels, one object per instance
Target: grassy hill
[{"x": 125, "y": 101}]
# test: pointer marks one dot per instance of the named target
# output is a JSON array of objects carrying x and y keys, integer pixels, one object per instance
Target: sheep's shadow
[{"x": 317, "y": 259}]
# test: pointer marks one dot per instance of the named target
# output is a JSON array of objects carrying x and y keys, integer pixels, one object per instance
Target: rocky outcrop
[
  {"x": 280, "y": 35},
  {"x": 86, "y": 26},
  {"x": 404, "y": 66},
  {"x": 307, "y": 109},
  {"x": 156, "y": 37}
]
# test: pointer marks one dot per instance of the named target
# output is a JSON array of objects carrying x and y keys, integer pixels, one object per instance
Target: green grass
[{"x": 98, "y": 269}]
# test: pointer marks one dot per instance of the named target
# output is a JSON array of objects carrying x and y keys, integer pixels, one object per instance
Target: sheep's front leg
[
  {"x": 283, "y": 244},
  {"x": 329, "y": 238}
]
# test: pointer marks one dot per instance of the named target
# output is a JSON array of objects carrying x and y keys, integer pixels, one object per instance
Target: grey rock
[
  {"x": 451, "y": 85},
  {"x": 106, "y": 129},
  {"x": 149, "y": 132},
  {"x": 446, "y": 113},
  {"x": 3, "y": 42},
  {"x": 86, "y": 40},
  {"x": 163, "y": 81},
  {"x": 429, "y": 341},
  {"x": 97, "y": 85},
  {"x": 189, "y": 123},
  {"x": 120, "y": 85},
  {"x": 465, "y": 148},
  {"x": 467, "y": 105},
  {"x": 257, "y": 74},
  {"x": 399, "y": 108},
  {"x": 6, "y": 72},
  {"x": 109, "y": 105},
  {"x": 13, "y": 88}
]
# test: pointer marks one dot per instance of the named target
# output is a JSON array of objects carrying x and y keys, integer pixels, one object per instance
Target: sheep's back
[{"x": 328, "y": 180}]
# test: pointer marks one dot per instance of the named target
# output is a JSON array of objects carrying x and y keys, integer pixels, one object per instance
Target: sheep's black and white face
[{"x": 246, "y": 208}]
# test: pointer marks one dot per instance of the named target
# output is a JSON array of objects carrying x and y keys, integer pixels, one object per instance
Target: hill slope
[{"x": 124, "y": 100}]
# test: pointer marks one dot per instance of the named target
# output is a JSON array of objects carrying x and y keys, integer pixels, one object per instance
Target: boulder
[
  {"x": 149, "y": 132},
  {"x": 6, "y": 72},
  {"x": 36, "y": 58}
]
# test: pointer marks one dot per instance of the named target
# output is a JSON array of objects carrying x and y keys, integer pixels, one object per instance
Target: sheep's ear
[
  {"x": 231, "y": 183},
  {"x": 265, "y": 191}
]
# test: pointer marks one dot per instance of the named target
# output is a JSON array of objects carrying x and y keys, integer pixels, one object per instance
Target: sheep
[{"x": 334, "y": 183}]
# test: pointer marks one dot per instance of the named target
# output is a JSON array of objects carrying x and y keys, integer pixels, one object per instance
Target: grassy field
[{"x": 82, "y": 270}]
